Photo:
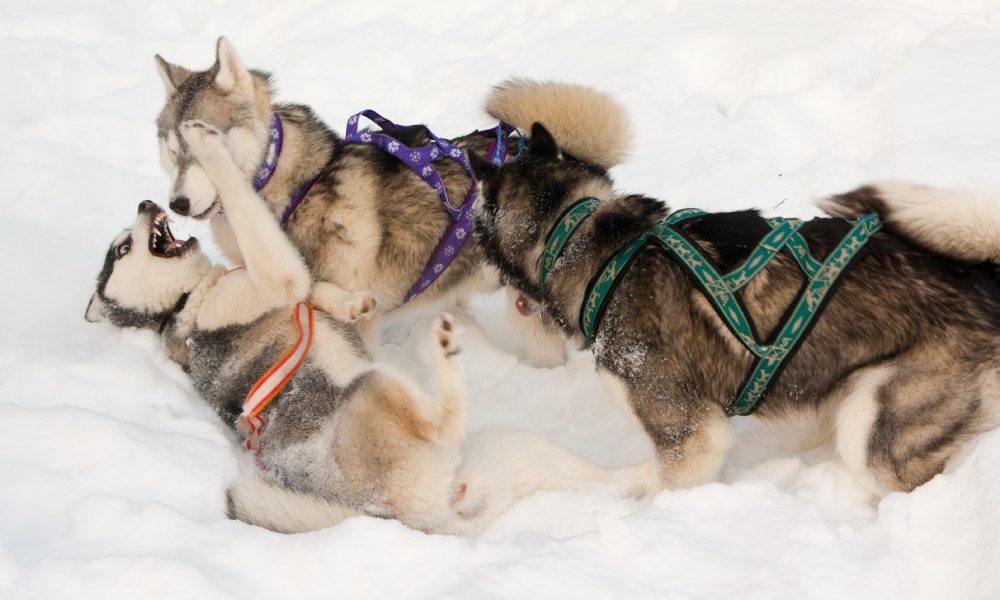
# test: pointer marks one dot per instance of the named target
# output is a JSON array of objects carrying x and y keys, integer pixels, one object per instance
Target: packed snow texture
[{"x": 113, "y": 471}]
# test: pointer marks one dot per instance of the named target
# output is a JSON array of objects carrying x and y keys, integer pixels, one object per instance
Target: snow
[{"x": 112, "y": 470}]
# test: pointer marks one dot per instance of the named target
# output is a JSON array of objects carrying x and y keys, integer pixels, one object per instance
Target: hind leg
[
  {"x": 341, "y": 304},
  {"x": 899, "y": 423},
  {"x": 445, "y": 351},
  {"x": 501, "y": 466}
]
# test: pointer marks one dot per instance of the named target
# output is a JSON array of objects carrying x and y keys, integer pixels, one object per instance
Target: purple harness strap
[
  {"x": 420, "y": 159},
  {"x": 267, "y": 168},
  {"x": 297, "y": 198},
  {"x": 270, "y": 164}
]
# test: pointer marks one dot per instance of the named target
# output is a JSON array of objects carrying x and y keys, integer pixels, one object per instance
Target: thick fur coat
[{"x": 901, "y": 368}]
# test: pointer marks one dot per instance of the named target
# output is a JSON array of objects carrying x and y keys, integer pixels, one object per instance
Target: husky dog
[
  {"x": 368, "y": 223},
  {"x": 901, "y": 368},
  {"x": 345, "y": 436}
]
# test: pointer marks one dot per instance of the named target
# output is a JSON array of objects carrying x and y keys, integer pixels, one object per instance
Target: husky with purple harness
[{"x": 385, "y": 213}]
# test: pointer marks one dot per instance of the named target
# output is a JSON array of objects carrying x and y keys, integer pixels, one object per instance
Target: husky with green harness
[
  {"x": 856, "y": 330},
  {"x": 721, "y": 288}
]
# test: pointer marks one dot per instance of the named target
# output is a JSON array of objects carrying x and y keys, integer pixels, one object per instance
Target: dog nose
[
  {"x": 180, "y": 205},
  {"x": 146, "y": 206}
]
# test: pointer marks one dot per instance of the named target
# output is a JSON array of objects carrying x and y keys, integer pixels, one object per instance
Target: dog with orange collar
[{"x": 333, "y": 433}]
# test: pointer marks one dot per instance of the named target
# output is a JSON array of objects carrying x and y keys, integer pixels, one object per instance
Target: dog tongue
[{"x": 174, "y": 245}]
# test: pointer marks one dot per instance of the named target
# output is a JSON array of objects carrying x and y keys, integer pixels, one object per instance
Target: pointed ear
[
  {"x": 232, "y": 75},
  {"x": 542, "y": 142},
  {"x": 480, "y": 166},
  {"x": 95, "y": 309},
  {"x": 172, "y": 75}
]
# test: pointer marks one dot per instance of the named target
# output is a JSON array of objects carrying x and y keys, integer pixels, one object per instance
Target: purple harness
[{"x": 418, "y": 159}]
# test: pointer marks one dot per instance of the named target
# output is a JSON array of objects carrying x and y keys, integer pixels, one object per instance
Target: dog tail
[
  {"x": 257, "y": 501},
  {"x": 585, "y": 123},
  {"x": 961, "y": 226}
]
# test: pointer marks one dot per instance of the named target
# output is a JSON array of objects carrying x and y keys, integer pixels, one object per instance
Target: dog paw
[
  {"x": 205, "y": 141},
  {"x": 361, "y": 306},
  {"x": 465, "y": 501},
  {"x": 446, "y": 333}
]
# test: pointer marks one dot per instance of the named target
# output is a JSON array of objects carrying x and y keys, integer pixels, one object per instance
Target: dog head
[
  {"x": 146, "y": 272},
  {"x": 522, "y": 200},
  {"x": 227, "y": 96}
]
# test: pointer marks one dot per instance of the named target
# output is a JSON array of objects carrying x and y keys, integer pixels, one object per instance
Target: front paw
[
  {"x": 207, "y": 143},
  {"x": 361, "y": 306}
]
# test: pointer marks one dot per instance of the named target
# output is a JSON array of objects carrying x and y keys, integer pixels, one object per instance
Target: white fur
[
  {"x": 167, "y": 160},
  {"x": 195, "y": 185},
  {"x": 855, "y": 418},
  {"x": 703, "y": 458},
  {"x": 543, "y": 349},
  {"x": 276, "y": 274},
  {"x": 501, "y": 466},
  {"x": 420, "y": 489},
  {"x": 616, "y": 387},
  {"x": 165, "y": 71},
  {"x": 137, "y": 285},
  {"x": 232, "y": 75},
  {"x": 281, "y": 509},
  {"x": 703, "y": 454},
  {"x": 962, "y": 225},
  {"x": 225, "y": 239}
]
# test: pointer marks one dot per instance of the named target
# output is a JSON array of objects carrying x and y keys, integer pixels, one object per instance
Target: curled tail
[
  {"x": 586, "y": 123},
  {"x": 961, "y": 226},
  {"x": 257, "y": 501}
]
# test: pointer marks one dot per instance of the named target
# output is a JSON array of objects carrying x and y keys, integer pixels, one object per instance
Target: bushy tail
[
  {"x": 962, "y": 226},
  {"x": 257, "y": 501},
  {"x": 585, "y": 123}
]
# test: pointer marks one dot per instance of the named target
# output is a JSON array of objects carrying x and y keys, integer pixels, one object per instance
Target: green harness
[{"x": 721, "y": 289}]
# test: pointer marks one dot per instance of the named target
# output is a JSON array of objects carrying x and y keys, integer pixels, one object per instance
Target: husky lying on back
[
  {"x": 345, "y": 436},
  {"x": 902, "y": 367},
  {"x": 368, "y": 223}
]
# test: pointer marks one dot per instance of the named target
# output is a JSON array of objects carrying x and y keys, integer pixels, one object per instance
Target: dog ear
[
  {"x": 230, "y": 75},
  {"x": 480, "y": 166},
  {"x": 172, "y": 75},
  {"x": 542, "y": 142},
  {"x": 95, "y": 309}
]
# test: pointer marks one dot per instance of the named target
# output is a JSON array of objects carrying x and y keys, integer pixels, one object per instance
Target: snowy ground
[{"x": 112, "y": 471}]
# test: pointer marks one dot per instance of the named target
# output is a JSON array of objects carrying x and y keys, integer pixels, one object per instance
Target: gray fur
[
  {"x": 930, "y": 324},
  {"x": 299, "y": 448},
  {"x": 369, "y": 223},
  {"x": 410, "y": 215}
]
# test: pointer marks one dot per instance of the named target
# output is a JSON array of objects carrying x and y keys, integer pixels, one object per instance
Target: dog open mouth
[{"x": 162, "y": 242}]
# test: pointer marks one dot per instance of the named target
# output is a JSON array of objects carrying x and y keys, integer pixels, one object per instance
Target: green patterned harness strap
[
  {"x": 721, "y": 289},
  {"x": 565, "y": 225}
]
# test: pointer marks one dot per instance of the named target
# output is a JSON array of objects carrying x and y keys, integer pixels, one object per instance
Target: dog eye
[{"x": 123, "y": 249}]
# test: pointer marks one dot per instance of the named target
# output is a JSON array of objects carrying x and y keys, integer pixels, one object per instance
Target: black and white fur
[
  {"x": 346, "y": 436},
  {"x": 369, "y": 223}
]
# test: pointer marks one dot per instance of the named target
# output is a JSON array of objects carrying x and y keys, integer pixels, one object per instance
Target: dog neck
[
  {"x": 307, "y": 146},
  {"x": 177, "y": 328},
  {"x": 566, "y": 284}
]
